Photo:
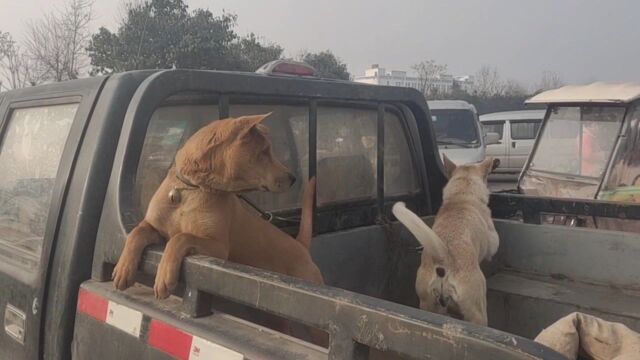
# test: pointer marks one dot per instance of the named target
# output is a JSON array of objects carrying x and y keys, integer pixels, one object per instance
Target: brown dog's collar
[
  {"x": 188, "y": 183},
  {"x": 175, "y": 195}
]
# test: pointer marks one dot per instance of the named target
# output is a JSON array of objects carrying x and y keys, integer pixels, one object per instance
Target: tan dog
[
  {"x": 196, "y": 208},
  {"x": 449, "y": 279}
]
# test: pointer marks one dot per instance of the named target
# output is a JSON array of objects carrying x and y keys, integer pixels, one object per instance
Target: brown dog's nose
[{"x": 292, "y": 179}]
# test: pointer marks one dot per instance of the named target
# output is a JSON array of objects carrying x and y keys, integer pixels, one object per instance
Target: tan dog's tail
[
  {"x": 306, "y": 218},
  {"x": 431, "y": 242}
]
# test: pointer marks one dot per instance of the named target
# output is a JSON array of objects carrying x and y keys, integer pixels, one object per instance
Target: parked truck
[{"x": 80, "y": 160}]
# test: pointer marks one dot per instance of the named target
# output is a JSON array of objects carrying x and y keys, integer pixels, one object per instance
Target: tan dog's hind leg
[
  {"x": 473, "y": 300},
  {"x": 177, "y": 248},
  {"x": 142, "y": 236}
]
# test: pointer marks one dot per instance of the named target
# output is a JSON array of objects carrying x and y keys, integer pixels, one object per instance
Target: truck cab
[{"x": 82, "y": 159}]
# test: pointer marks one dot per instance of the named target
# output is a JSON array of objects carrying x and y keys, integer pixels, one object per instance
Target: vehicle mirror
[{"x": 491, "y": 138}]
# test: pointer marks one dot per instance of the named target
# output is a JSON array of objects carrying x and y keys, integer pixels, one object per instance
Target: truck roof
[
  {"x": 597, "y": 92},
  {"x": 514, "y": 115}
]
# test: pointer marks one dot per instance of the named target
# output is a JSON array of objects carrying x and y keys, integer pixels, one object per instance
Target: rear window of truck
[{"x": 346, "y": 151}]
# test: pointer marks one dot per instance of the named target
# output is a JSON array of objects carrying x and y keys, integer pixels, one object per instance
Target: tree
[
  {"x": 428, "y": 73},
  {"x": 56, "y": 43},
  {"x": 513, "y": 88},
  {"x": 326, "y": 64},
  {"x": 249, "y": 54},
  {"x": 16, "y": 68},
  {"x": 161, "y": 34},
  {"x": 549, "y": 80},
  {"x": 487, "y": 82}
]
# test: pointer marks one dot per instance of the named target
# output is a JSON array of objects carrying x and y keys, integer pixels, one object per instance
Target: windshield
[
  {"x": 578, "y": 140},
  {"x": 455, "y": 127}
]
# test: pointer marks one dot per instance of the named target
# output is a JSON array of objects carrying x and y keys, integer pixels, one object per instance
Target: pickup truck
[{"x": 80, "y": 160}]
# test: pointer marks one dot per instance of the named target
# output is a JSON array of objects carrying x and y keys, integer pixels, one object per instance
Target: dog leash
[
  {"x": 267, "y": 215},
  {"x": 264, "y": 214},
  {"x": 174, "y": 196}
]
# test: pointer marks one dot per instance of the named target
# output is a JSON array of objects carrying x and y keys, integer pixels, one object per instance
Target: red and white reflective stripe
[
  {"x": 184, "y": 346},
  {"x": 162, "y": 336},
  {"x": 125, "y": 319},
  {"x": 93, "y": 305},
  {"x": 110, "y": 312}
]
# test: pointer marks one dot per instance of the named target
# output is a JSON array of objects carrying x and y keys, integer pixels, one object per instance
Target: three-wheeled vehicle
[{"x": 588, "y": 148}]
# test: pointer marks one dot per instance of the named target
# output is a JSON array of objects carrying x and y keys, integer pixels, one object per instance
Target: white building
[
  {"x": 464, "y": 82},
  {"x": 377, "y": 75}
]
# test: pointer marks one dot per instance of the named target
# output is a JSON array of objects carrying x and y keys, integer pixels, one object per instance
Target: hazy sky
[{"x": 581, "y": 40}]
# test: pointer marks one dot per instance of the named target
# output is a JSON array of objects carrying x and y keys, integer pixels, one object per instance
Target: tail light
[{"x": 287, "y": 68}]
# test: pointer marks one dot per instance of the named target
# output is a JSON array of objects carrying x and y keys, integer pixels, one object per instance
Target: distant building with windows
[
  {"x": 464, "y": 82},
  {"x": 443, "y": 84}
]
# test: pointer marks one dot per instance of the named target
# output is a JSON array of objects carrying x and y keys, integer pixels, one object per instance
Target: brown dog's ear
[
  {"x": 251, "y": 122},
  {"x": 449, "y": 166}
]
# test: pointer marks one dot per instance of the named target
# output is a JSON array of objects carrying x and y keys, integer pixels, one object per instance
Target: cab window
[
  {"x": 30, "y": 155},
  {"x": 346, "y": 151}
]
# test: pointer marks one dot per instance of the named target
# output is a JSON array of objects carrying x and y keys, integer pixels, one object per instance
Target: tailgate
[
  {"x": 132, "y": 325},
  {"x": 356, "y": 323}
]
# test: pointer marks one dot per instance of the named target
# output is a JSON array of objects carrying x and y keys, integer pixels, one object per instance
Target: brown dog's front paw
[
  {"x": 161, "y": 290},
  {"x": 123, "y": 275},
  {"x": 165, "y": 282}
]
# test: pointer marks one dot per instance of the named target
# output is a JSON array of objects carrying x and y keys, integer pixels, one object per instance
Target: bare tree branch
[
  {"x": 549, "y": 80},
  {"x": 429, "y": 72},
  {"x": 57, "y": 42},
  {"x": 16, "y": 68},
  {"x": 487, "y": 82}
]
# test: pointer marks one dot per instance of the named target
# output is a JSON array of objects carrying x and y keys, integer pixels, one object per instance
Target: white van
[
  {"x": 457, "y": 129},
  {"x": 517, "y": 132}
]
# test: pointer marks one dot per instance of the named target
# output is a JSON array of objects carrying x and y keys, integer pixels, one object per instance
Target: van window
[
  {"x": 524, "y": 130},
  {"x": 494, "y": 127},
  {"x": 30, "y": 154},
  {"x": 455, "y": 127}
]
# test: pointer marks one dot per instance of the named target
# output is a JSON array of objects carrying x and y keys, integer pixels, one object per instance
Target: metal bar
[
  {"x": 534, "y": 206},
  {"x": 313, "y": 155},
  {"x": 614, "y": 152},
  {"x": 223, "y": 107},
  {"x": 342, "y": 346},
  {"x": 368, "y": 321},
  {"x": 380, "y": 162},
  {"x": 313, "y": 137}
]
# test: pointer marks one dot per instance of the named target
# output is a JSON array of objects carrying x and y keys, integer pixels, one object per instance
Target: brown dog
[
  {"x": 449, "y": 280},
  {"x": 196, "y": 208}
]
